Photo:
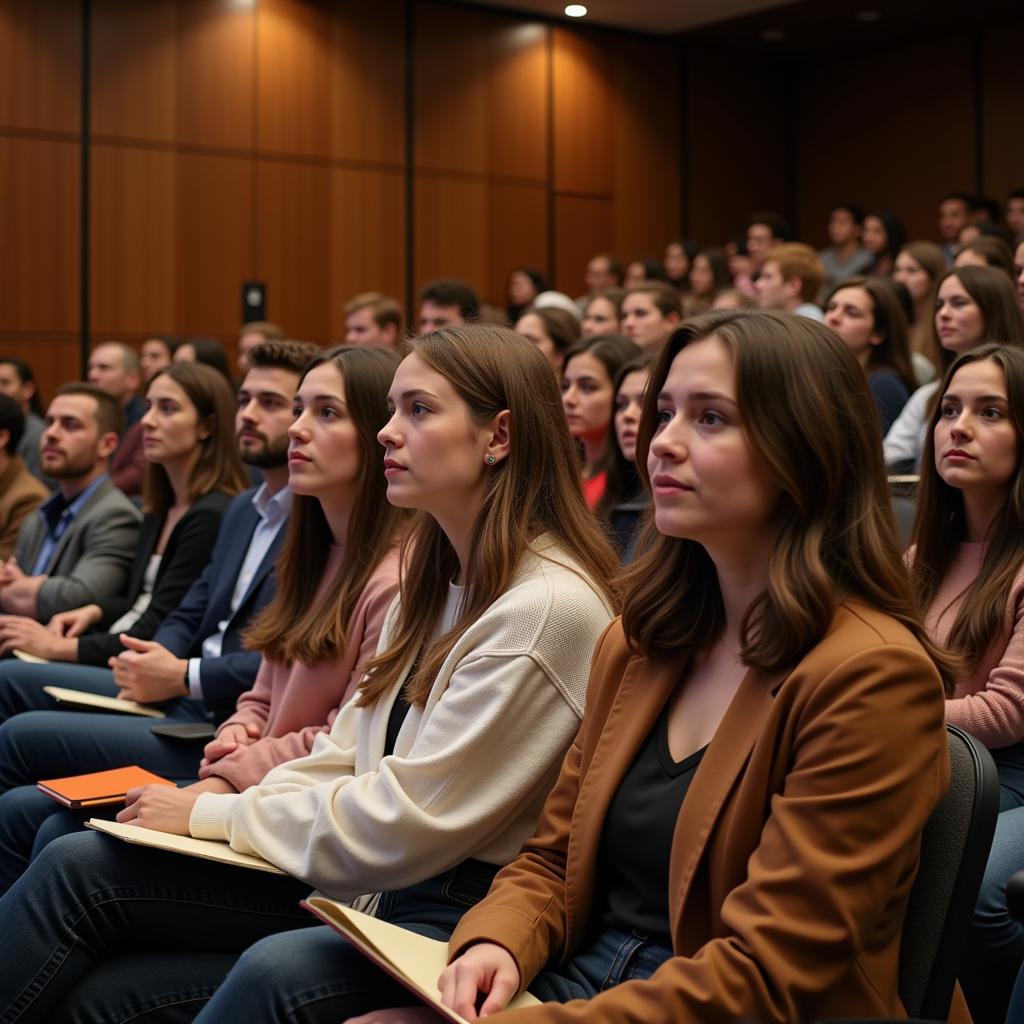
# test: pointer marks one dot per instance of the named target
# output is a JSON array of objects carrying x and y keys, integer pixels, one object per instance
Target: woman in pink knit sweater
[
  {"x": 336, "y": 575},
  {"x": 968, "y": 564}
]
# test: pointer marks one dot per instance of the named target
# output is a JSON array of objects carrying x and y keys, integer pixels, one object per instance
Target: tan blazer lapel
[
  {"x": 719, "y": 769},
  {"x": 641, "y": 695}
]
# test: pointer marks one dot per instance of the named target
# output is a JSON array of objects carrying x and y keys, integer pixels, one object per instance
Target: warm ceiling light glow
[{"x": 576, "y": 11}]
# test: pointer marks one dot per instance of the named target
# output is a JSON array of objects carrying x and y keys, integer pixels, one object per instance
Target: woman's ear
[{"x": 500, "y": 439}]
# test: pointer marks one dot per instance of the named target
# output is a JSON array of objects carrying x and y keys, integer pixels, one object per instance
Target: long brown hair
[
  {"x": 923, "y": 337},
  {"x": 940, "y": 524},
  {"x": 892, "y": 353},
  {"x": 295, "y": 626},
  {"x": 534, "y": 491},
  {"x": 218, "y": 468},
  {"x": 811, "y": 421}
]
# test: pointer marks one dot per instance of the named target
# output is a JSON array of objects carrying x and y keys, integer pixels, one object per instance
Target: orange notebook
[{"x": 99, "y": 788}]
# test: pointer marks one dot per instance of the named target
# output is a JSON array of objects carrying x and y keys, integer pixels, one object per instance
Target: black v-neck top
[{"x": 636, "y": 842}]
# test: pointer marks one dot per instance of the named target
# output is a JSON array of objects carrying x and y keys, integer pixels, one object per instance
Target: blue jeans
[
  {"x": 314, "y": 977},
  {"x": 109, "y": 932},
  {"x": 995, "y": 943},
  {"x": 47, "y": 744}
]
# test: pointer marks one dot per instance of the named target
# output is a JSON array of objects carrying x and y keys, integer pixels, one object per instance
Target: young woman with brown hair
[
  {"x": 973, "y": 305},
  {"x": 427, "y": 782},
  {"x": 866, "y": 314},
  {"x": 967, "y": 564},
  {"x": 768, "y": 694},
  {"x": 602, "y": 313},
  {"x": 553, "y": 331},
  {"x": 919, "y": 268}
]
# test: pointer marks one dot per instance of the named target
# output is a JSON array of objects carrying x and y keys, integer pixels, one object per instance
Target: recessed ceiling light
[
  {"x": 576, "y": 11},
  {"x": 868, "y": 15}
]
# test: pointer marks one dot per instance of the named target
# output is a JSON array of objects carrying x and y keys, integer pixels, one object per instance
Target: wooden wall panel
[
  {"x": 39, "y": 258},
  {"x": 484, "y": 110},
  {"x": 478, "y": 231},
  {"x": 40, "y": 65},
  {"x": 645, "y": 152},
  {"x": 738, "y": 157},
  {"x": 866, "y": 136},
  {"x": 582, "y": 227},
  {"x": 171, "y": 241},
  {"x": 176, "y": 71},
  {"x": 330, "y": 80},
  {"x": 1003, "y": 139}
]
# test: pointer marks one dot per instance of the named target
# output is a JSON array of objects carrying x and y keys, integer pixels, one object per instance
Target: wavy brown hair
[
  {"x": 295, "y": 626},
  {"x": 218, "y": 468},
  {"x": 940, "y": 524},
  {"x": 535, "y": 491},
  {"x": 810, "y": 420}
]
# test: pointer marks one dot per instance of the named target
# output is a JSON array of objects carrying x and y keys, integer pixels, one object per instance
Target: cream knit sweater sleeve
[{"x": 470, "y": 770}]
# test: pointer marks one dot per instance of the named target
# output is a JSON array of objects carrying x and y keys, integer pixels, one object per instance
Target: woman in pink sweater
[
  {"x": 336, "y": 575},
  {"x": 968, "y": 565}
]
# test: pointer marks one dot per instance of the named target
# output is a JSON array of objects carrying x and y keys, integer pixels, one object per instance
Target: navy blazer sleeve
[{"x": 188, "y": 551}]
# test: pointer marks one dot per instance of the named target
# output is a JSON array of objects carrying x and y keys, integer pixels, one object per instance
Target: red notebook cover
[{"x": 99, "y": 788}]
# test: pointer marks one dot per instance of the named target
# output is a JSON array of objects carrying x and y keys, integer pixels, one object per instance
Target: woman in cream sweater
[{"x": 425, "y": 784}]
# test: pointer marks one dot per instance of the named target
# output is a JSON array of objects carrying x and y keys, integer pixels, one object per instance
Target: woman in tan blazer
[
  {"x": 736, "y": 828},
  {"x": 20, "y": 492}
]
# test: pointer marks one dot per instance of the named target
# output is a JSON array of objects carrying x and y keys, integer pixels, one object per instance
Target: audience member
[
  {"x": 986, "y": 251},
  {"x": 641, "y": 271},
  {"x": 790, "y": 280},
  {"x": 602, "y": 313},
  {"x": 373, "y": 320},
  {"x": 986, "y": 210},
  {"x": 254, "y": 333},
  {"x": 192, "y": 472},
  {"x": 208, "y": 351},
  {"x": 588, "y": 380},
  {"x": 1015, "y": 211},
  {"x": 919, "y": 268},
  {"x": 20, "y": 492},
  {"x": 954, "y": 213},
  {"x": 18, "y": 382},
  {"x": 765, "y": 231},
  {"x": 78, "y": 547},
  {"x": 624, "y": 498},
  {"x": 845, "y": 257},
  {"x": 553, "y": 331},
  {"x": 967, "y": 564},
  {"x": 650, "y": 312},
  {"x": 678, "y": 261},
  {"x": 709, "y": 275},
  {"x": 156, "y": 354},
  {"x": 114, "y": 367},
  {"x": 431, "y": 778},
  {"x": 768, "y": 694},
  {"x": 524, "y": 285},
  {"x": 447, "y": 302},
  {"x": 866, "y": 314},
  {"x": 974, "y": 305},
  {"x": 315, "y": 636},
  {"x": 603, "y": 272},
  {"x": 741, "y": 267},
  {"x": 556, "y": 300},
  {"x": 883, "y": 237}
]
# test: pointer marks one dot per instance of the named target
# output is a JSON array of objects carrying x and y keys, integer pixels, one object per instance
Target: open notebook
[
  {"x": 82, "y": 701},
  {"x": 414, "y": 961}
]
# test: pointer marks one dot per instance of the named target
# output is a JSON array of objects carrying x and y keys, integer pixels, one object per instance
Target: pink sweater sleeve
[
  {"x": 247, "y": 765},
  {"x": 994, "y": 713}
]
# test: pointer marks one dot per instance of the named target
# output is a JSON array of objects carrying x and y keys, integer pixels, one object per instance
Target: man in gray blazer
[{"x": 79, "y": 546}]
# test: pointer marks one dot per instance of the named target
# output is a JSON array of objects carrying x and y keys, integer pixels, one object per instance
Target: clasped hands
[{"x": 57, "y": 640}]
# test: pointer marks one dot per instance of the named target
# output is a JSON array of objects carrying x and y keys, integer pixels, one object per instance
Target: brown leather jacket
[
  {"x": 20, "y": 495},
  {"x": 794, "y": 851}
]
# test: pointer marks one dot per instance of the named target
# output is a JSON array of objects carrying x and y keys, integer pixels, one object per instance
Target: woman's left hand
[
  {"x": 24, "y": 634},
  {"x": 401, "y": 1015},
  {"x": 161, "y": 808}
]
